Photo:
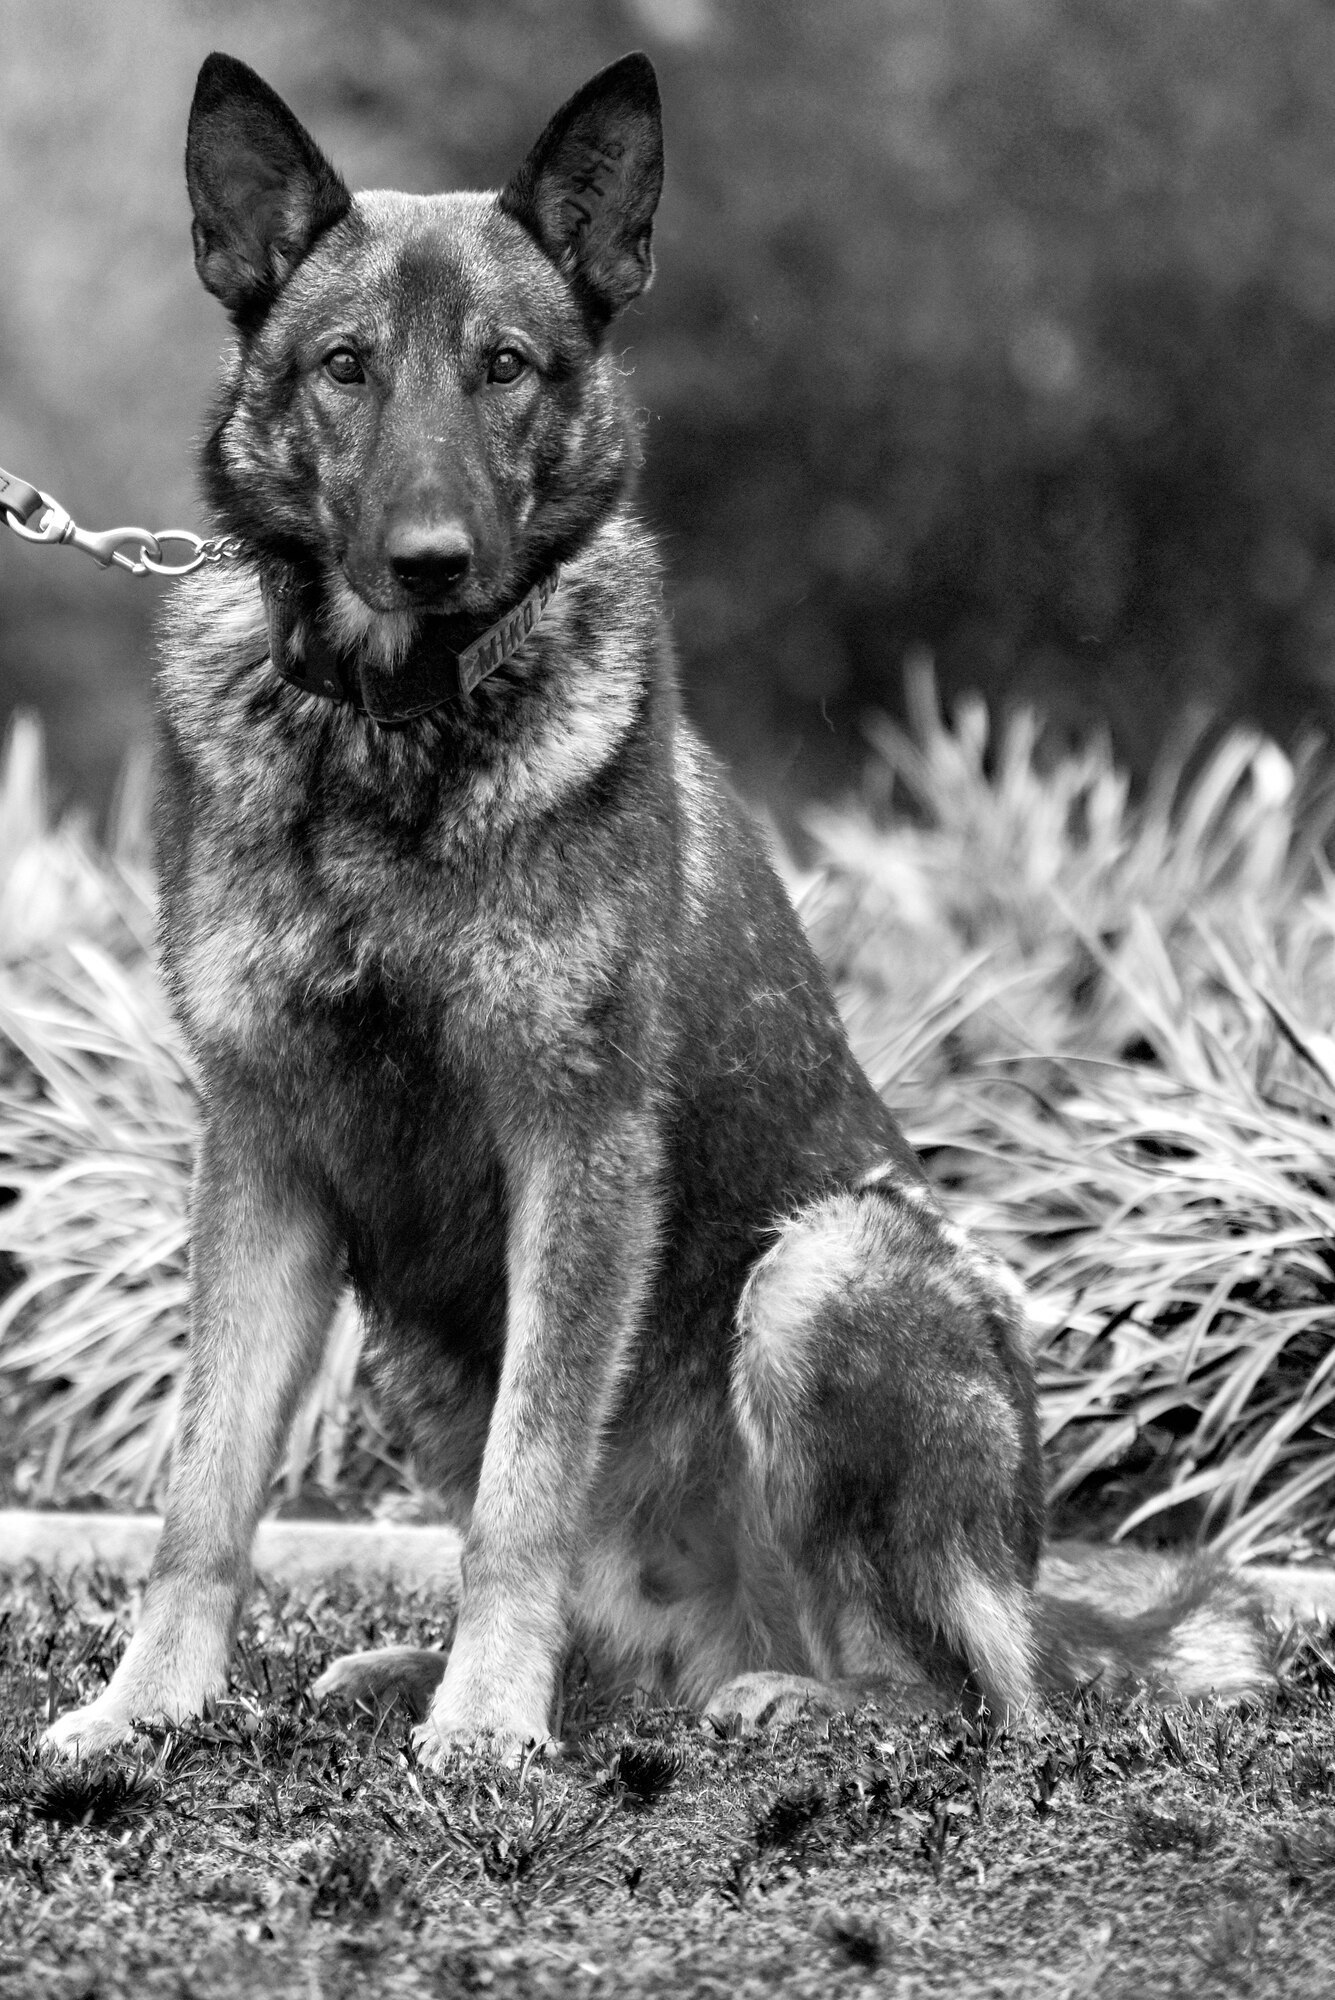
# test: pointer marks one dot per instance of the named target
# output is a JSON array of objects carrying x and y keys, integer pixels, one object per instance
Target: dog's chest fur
[{"x": 467, "y": 889}]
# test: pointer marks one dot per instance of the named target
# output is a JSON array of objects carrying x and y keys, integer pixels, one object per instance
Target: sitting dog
[{"x": 501, "y": 1014}]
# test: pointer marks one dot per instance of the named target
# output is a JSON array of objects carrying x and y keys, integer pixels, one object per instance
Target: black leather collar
[{"x": 432, "y": 673}]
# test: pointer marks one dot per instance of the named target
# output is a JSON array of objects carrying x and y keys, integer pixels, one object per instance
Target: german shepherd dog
[{"x": 500, "y": 1013}]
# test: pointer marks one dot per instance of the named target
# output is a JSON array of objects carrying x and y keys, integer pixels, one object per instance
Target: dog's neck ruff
[{"x": 431, "y": 674}]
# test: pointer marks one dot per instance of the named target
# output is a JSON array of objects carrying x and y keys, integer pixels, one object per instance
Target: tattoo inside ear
[
  {"x": 591, "y": 182},
  {"x": 589, "y": 188}
]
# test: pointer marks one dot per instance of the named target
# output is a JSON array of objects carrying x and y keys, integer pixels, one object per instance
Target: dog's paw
[
  {"x": 765, "y": 1701},
  {"x": 88, "y": 1731},
  {"x": 410, "y": 1674},
  {"x": 451, "y": 1736}
]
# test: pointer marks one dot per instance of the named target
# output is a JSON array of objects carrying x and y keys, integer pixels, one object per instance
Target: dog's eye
[
  {"x": 507, "y": 364},
  {"x": 343, "y": 366}
]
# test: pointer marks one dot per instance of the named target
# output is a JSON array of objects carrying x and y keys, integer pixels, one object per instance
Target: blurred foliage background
[{"x": 996, "y": 328}]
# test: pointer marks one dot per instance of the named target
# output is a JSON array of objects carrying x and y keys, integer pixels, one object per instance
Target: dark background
[{"x": 999, "y": 328}]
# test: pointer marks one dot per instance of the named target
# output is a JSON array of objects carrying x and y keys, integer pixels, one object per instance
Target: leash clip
[
  {"x": 106, "y": 546},
  {"x": 139, "y": 550}
]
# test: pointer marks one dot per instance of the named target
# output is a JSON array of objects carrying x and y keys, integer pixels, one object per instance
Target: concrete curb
[
  {"x": 311, "y": 1552},
  {"x": 1304, "y": 1595},
  {"x": 304, "y": 1552}
]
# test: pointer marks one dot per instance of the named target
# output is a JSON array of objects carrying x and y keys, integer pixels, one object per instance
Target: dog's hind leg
[
  {"x": 883, "y": 1394},
  {"x": 265, "y": 1271}
]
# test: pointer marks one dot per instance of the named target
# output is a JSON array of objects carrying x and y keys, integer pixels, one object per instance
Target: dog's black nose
[{"x": 428, "y": 561}]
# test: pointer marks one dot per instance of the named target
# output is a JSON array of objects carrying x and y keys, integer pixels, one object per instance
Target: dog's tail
[{"x": 1182, "y": 1626}]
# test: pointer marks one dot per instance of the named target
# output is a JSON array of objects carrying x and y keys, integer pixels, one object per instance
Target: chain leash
[{"x": 38, "y": 517}]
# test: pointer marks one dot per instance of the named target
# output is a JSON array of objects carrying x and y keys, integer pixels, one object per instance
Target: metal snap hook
[
  {"x": 109, "y": 545},
  {"x": 137, "y": 549}
]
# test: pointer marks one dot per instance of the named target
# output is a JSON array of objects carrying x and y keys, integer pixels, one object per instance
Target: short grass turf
[{"x": 1096, "y": 1848}]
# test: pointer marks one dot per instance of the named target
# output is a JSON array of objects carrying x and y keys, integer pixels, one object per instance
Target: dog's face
[{"x": 421, "y": 410}]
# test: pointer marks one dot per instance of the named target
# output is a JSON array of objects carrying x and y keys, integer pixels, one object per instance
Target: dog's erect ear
[
  {"x": 261, "y": 189},
  {"x": 589, "y": 188}
]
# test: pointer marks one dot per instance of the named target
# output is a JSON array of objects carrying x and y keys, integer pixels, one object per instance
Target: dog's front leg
[
  {"x": 264, "y": 1279},
  {"x": 582, "y": 1239}
]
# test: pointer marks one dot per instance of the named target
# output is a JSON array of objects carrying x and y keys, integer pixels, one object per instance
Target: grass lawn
[{"x": 1097, "y": 1848}]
